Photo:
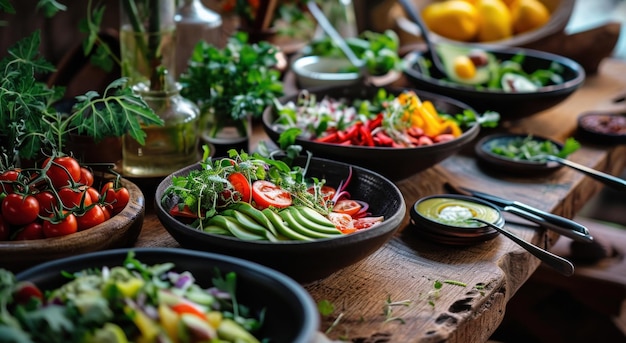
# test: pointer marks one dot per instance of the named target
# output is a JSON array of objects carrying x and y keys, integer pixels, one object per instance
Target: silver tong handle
[{"x": 557, "y": 226}]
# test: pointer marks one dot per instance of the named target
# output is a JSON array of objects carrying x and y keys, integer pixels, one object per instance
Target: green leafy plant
[
  {"x": 237, "y": 81},
  {"x": 30, "y": 121}
]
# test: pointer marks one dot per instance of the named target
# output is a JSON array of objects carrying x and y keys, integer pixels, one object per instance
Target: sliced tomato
[
  {"x": 347, "y": 206},
  {"x": 267, "y": 194},
  {"x": 183, "y": 308},
  {"x": 241, "y": 184},
  {"x": 343, "y": 222},
  {"x": 367, "y": 222},
  {"x": 327, "y": 192}
]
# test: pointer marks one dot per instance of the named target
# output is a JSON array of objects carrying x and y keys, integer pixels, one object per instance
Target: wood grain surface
[{"x": 391, "y": 297}]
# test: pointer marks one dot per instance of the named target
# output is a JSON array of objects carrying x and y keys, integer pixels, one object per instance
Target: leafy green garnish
[{"x": 530, "y": 149}]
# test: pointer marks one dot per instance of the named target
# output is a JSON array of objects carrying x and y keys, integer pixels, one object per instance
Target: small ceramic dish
[
  {"x": 603, "y": 127},
  {"x": 316, "y": 71},
  {"x": 437, "y": 218},
  {"x": 484, "y": 152}
]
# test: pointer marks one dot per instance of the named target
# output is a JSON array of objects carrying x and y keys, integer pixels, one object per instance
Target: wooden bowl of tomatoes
[
  {"x": 335, "y": 124},
  {"x": 62, "y": 208},
  {"x": 288, "y": 244}
]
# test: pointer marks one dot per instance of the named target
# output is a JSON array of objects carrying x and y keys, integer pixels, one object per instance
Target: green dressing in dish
[{"x": 456, "y": 212}]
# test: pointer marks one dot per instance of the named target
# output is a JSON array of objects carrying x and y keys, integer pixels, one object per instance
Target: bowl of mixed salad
[
  {"x": 392, "y": 131},
  {"x": 304, "y": 216},
  {"x": 515, "y": 82},
  {"x": 154, "y": 295}
]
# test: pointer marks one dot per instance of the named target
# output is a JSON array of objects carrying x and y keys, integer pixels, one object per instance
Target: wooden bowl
[{"x": 120, "y": 231}]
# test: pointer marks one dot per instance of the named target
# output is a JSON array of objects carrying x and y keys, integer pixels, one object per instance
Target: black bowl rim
[
  {"x": 308, "y": 330},
  {"x": 392, "y": 224},
  {"x": 543, "y": 92},
  {"x": 498, "y": 161}
]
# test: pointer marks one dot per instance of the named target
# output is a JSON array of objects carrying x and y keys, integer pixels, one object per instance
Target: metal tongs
[{"x": 563, "y": 226}]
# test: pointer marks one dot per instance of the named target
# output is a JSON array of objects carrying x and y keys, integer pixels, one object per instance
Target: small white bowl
[{"x": 316, "y": 71}]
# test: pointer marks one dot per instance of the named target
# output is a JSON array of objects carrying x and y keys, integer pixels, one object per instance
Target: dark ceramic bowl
[
  {"x": 394, "y": 163},
  {"x": 304, "y": 261},
  {"x": 510, "y": 105},
  {"x": 290, "y": 313},
  {"x": 120, "y": 231},
  {"x": 603, "y": 127},
  {"x": 493, "y": 161},
  {"x": 450, "y": 234}
]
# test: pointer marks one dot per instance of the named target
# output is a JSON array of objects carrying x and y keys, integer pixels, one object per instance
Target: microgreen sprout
[{"x": 388, "y": 309}]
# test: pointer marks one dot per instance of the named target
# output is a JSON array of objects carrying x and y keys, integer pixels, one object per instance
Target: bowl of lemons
[{"x": 521, "y": 23}]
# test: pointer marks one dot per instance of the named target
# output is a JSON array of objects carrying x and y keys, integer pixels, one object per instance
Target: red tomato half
[
  {"x": 327, "y": 192},
  {"x": 267, "y": 194},
  {"x": 240, "y": 184},
  {"x": 347, "y": 206}
]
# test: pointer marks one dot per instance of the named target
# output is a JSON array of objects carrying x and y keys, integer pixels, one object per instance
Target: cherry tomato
[
  {"x": 366, "y": 222},
  {"x": 31, "y": 231},
  {"x": 7, "y": 178},
  {"x": 72, "y": 197},
  {"x": 93, "y": 193},
  {"x": 343, "y": 222},
  {"x": 61, "y": 227},
  {"x": 86, "y": 177},
  {"x": 63, "y": 171},
  {"x": 240, "y": 184},
  {"x": 91, "y": 218},
  {"x": 26, "y": 290},
  {"x": 106, "y": 211},
  {"x": 47, "y": 203},
  {"x": 267, "y": 194},
  {"x": 347, "y": 206},
  {"x": 5, "y": 230},
  {"x": 18, "y": 209},
  {"x": 327, "y": 192},
  {"x": 117, "y": 198}
]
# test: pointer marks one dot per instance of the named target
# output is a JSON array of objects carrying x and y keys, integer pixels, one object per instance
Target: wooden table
[{"x": 390, "y": 296}]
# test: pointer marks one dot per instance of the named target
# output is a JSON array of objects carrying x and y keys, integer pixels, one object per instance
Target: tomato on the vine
[
  {"x": 90, "y": 218},
  {"x": 116, "y": 198},
  {"x": 18, "y": 209},
  {"x": 267, "y": 194},
  {"x": 47, "y": 202},
  {"x": 241, "y": 184},
  {"x": 55, "y": 227},
  {"x": 86, "y": 177},
  {"x": 63, "y": 171},
  {"x": 347, "y": 206},
  {"x": 31, "y": 231},
  {"x": 6, "y": 180},
  {"x": 74, "y": 197}
]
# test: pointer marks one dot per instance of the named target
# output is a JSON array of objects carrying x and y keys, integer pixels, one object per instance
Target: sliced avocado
[{"x": 449, "y": 52}]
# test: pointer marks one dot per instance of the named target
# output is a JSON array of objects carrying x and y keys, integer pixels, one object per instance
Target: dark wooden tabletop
[{"x": 390, "y": 296}]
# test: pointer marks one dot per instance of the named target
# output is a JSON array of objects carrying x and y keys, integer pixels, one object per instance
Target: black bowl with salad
[
  {"x": 304, "y": 216},
  {"x": 515, "y": 82},
  {"x": 396, "y": 132},
  {"x": 155, "y": 295}
]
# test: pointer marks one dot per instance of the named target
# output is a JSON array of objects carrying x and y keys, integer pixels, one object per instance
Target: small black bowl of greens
[
  {"x": 514, "y": 82},
  {"x": 523, "y": 153}
]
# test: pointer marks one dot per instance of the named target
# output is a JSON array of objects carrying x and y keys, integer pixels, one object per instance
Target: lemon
[
  {"x": 528, "y": 15},
  {"x": 495, "y": 21},
  {"x": 454, "y": 19}
]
